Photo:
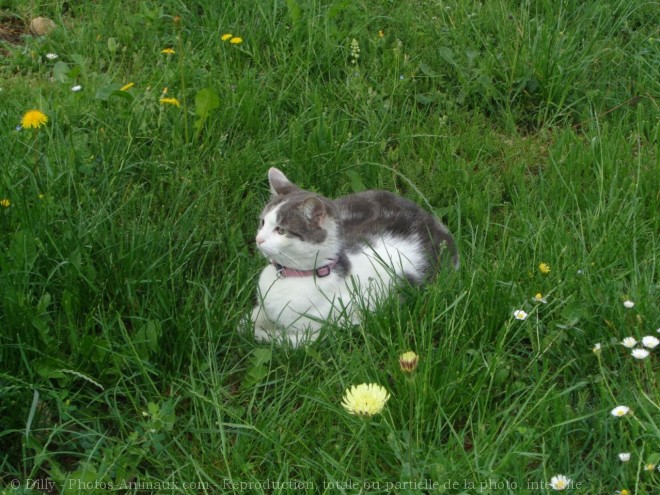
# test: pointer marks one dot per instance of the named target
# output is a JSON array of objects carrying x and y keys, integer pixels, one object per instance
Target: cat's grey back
[{"x": 369, "y": 215}]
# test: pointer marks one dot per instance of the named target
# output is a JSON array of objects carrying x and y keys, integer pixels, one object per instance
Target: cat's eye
[
  {"x": 262, "y": 222},
  {"x": 280, "y": 230}
]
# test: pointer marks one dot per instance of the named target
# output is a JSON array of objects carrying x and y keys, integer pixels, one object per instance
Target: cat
[{"x": 331, "y": 259}]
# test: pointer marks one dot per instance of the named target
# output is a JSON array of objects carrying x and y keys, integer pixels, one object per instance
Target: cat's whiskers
[
  {"x": 282, "y": 258},
  {"x": 288, "y": 261}
]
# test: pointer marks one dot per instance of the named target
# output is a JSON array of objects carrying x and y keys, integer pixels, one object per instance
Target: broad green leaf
[
  {"x": 206, "y": 100},
  {"x": 106, "y": 92},
  {"x": 294, "y": 11},
  {"x": 356, "y": 181},
  {"x": 61, "y": 72},
  {"x": 113, "y": 45},
  {"x": 261, "y": 357},
  {"x": 424, "y": 99},
  {"x": 447, "y": 54},
  {"x": 48, "y": 367},
  {"x": 427, "y": 71}
]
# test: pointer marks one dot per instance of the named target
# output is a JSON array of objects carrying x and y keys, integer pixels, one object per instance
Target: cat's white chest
[{"x": 301, "y": 303}]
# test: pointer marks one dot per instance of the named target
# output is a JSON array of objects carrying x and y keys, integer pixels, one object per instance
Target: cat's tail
[{"x": 445, "y": 248}]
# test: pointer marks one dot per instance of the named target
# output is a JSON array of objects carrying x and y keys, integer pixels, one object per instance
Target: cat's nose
[{"x": 260, "y": 240}]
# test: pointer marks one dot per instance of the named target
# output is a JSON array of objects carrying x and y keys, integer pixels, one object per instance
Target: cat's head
[{"x": 298, "y": 229}]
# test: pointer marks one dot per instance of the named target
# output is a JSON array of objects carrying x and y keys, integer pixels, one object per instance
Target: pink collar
[{"x": 320, "y": 272}]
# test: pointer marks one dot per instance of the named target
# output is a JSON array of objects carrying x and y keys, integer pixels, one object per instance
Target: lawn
[{"x": 129, "y": 203}]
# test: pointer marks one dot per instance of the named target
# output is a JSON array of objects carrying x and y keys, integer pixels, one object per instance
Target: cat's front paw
[
  {"x": 262, "y": 335},
  {"x": 263, "y": 327},
  {"x": 245, "y": 325}
]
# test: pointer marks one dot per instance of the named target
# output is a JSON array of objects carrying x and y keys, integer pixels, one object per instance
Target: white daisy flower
[
  {"x": 52, "y": 56},
  {"x": 650, "y": 342},
  {"x": 76, "y": 88},
  {"x": 520, "y": 314},
  {"x": 597, "y": 349},
  {"x": 629, "y": 342},
  {"x": 560, "y": 482},
  {"x": 640, "y": 353},
  {"x": 624, "y": 456},
  {"x": 628, "y": 304},
  {"x": 619, "y": 411}
]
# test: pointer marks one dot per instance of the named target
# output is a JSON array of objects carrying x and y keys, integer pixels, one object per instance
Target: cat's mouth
[
  {"x": 276, "y": 256},
  {"x": 267, "y": 253}
]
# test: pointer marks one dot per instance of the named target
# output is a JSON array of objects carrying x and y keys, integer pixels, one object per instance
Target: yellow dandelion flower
[
  {"x": 408, "y": 361},
  {"x": 538, "y": 298},
  {"x": 5, "y": 203},
  {"x": 126, "y": 87},
  {"x": 236, "y": 40},
  {"x": 170, "y": 101},
  {"x": 33, "y": 119},
  {"x": 381, "y": 33},
  {"x": 168, "y": 51},
  {"x": 544, "y": 268},
  {"x": 365, "y": 400},
  {"x": 226, "y": 37}
]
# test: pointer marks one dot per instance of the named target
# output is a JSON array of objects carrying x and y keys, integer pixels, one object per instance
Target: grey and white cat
[{"x": 332, "y": 259}]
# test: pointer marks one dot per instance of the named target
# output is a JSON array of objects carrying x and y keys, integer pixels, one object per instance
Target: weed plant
[{"x": 127, "y": 257}]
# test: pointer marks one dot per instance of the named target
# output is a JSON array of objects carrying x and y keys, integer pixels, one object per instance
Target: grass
[{"x": 127, "y": 257}]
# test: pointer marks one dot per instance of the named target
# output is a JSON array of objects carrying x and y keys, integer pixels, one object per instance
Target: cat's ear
[
  {"x": 279, "y": 184},
  {"x": 313, "y": 210}
]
